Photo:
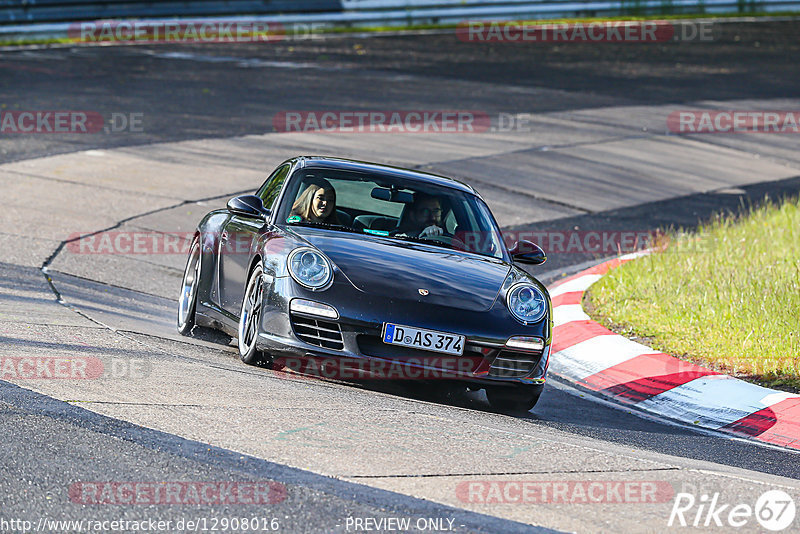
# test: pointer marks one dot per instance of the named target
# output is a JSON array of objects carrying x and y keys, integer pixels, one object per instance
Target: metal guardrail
[
  {"x": 32, "y": 11},
  {"x": 26, "y": 20},
  {"x": 20, "y": 11},
  {"x": 454, "y": 11}
]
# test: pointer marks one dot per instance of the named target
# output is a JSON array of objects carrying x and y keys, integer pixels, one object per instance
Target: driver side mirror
[
  {"x": 527, "y": 252},
  {"x": 248, "y": 206}
]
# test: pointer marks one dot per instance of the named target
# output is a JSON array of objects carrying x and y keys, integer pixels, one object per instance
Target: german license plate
[{"x": 420, "y": 338}]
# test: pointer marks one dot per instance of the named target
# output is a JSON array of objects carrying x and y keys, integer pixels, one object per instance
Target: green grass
[{"x": 726, "y": 296}]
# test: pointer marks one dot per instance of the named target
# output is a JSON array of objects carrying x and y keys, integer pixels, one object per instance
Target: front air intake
[
  {"x": 324, "y": 334},
  {"x": 510, "y": 364}
]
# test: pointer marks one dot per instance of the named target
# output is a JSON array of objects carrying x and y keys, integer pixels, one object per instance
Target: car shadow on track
[{"x": 566, "y": 409}]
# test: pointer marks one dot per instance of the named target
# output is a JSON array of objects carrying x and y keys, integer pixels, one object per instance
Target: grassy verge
[{"x": 726, "y": 296}]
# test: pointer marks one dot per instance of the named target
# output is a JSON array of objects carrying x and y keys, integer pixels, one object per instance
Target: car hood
[{"x": 400, "y": 269}]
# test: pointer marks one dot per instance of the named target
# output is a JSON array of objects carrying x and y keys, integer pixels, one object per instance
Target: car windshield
[{"x": 390, "y": 207}]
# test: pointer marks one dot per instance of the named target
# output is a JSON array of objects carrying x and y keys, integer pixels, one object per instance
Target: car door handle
[{"x": 224, "y": 236}]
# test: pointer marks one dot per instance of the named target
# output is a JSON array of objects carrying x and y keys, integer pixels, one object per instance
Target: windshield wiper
[
  {"x": 425, "y": 240},
  {"x": 328, "y": 226}
]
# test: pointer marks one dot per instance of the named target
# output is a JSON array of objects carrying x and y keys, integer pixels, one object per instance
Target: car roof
[{"x": 324, "y": 162}]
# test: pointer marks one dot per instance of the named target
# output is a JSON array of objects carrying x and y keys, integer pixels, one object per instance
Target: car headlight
[
  {"x": 527, "y": 303},
  {"x": 310, "y": 269}
]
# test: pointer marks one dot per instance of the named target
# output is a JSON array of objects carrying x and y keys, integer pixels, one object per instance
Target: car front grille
[
  {"x": 324, "y": 334},
  {"x": 510, "y": 364}
]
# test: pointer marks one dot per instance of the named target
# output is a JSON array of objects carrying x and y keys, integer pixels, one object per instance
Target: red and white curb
[{"x": 595, "y": 358}]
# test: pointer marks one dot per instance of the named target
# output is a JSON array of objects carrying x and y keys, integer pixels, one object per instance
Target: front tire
[
  {"x": 514, "y": 399},
  {"x": 250, "y": 318},
  {"x": 187, "y": 303}
]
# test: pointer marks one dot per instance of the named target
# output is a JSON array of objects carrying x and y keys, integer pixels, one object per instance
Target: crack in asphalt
[
  {"x": 109, "y": 284},
  {"x": 511, "y": 473},
  {"x": 12, "y": 321},
  {"x": 163, "y": 404},
  {"x": 119, "y": 223},
  {"x": 60, "y": 299}
]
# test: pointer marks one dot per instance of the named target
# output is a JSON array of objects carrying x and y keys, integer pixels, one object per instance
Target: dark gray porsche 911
[{"x": 372, "y": 271}]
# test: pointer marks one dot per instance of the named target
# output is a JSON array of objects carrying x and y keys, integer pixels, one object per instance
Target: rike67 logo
[{"x": 774, "y": 510}]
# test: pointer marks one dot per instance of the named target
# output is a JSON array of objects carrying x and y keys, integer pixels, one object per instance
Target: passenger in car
[
  {"x": 424, "y": 217},
  {"x": 317, "y": 203}
]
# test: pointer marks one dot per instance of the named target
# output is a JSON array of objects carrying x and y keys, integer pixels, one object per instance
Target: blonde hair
[{"x": 302, "y": 206}]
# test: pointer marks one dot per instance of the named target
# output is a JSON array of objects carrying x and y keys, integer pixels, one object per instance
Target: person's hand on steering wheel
[{"x": 431, "y": 231}]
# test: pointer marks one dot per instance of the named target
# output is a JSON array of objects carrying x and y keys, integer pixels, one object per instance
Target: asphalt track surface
[{"x": 597, "y": 157}]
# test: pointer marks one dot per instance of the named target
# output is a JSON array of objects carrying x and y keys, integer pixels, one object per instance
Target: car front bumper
[{"x": 351, "y": 346}]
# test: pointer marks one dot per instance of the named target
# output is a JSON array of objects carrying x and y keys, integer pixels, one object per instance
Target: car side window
[{"x": 272, "y": 187}]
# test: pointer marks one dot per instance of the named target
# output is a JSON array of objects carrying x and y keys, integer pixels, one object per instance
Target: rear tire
[
  {"x": 187, "y": 303},
  {"x": 250, "y": 318},
  {"x": 514, "y": 399}
]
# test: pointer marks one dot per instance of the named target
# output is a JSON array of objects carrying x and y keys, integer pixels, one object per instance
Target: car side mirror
[
  {"x": 248, "y": 206},
  {"x": 527, "y": 252}
]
